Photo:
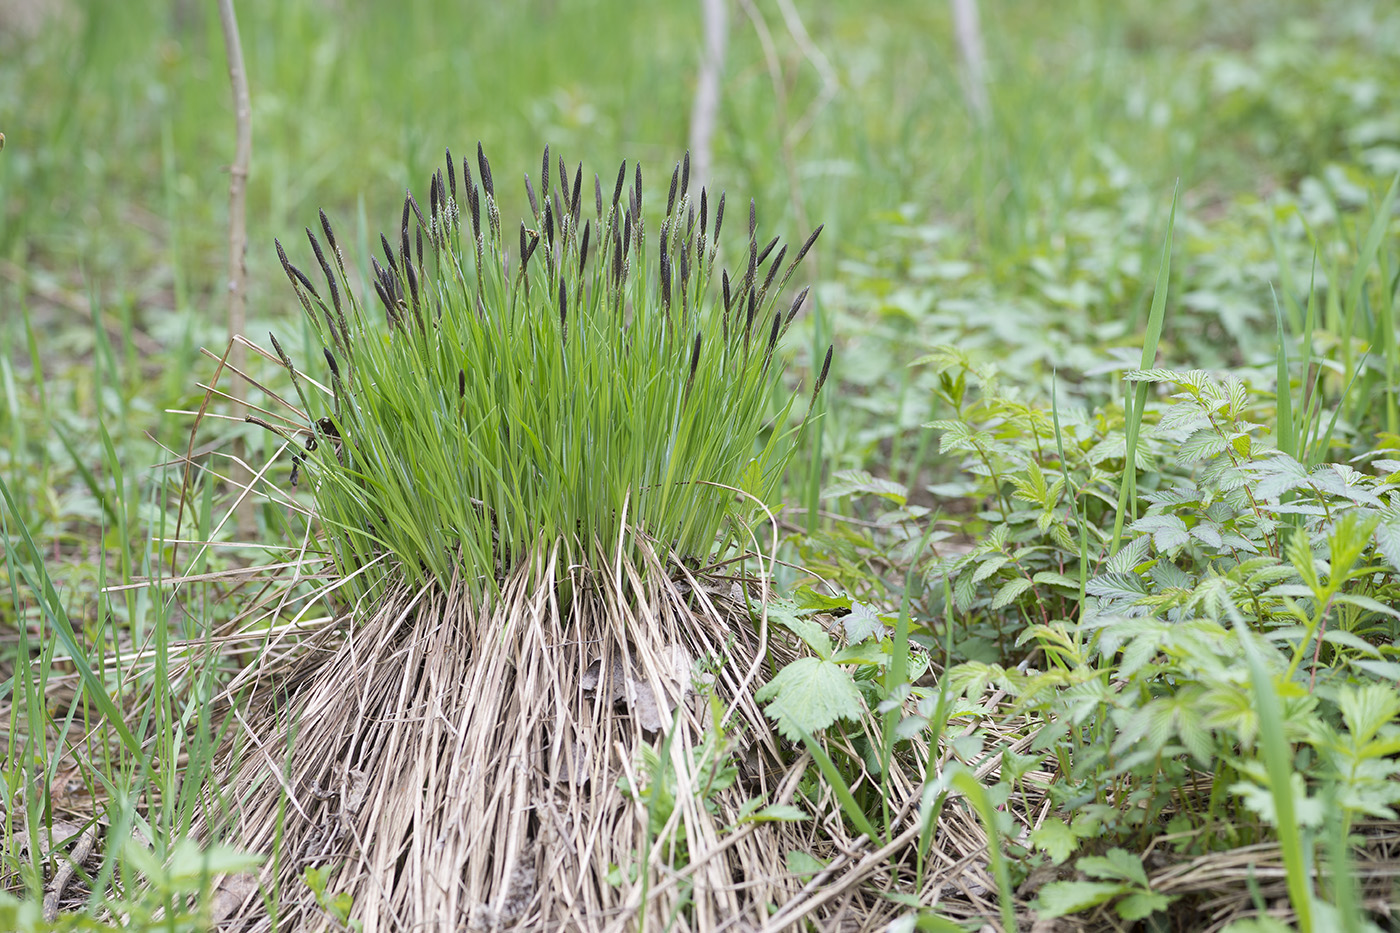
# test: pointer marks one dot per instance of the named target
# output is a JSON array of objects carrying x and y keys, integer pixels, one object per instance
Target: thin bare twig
[
  {"x": 969, "y": 31},
  {"x": 237, "y": 212},
  {"x": 715, "y": 16}
]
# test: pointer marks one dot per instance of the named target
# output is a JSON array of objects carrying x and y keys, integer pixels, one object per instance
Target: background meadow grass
[{"x": 1031, "y": 244}]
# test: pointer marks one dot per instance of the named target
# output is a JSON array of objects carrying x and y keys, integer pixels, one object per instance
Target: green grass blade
[{"x": 1127, "y": 487}]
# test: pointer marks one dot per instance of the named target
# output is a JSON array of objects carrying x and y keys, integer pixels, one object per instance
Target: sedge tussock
[{"x": 534, "y": 709}]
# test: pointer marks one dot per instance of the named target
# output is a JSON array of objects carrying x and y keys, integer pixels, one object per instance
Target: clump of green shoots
[{"x": 580, "y": 385}]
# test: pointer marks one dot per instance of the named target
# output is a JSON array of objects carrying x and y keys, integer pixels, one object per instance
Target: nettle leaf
[
  {"x": 1128, "y": 557},
  {"x": 784, "y": 612},
  {"x": 1142, "y": 904},
  {"x": 1306, "y": 810},
  {"x": 1059, "y": 898},
  {"x": 1115, "y": 863},
  {"x": 1203, "y": 444},
  {"x": 1010, "y": 592},
  {"x": 1117, "y": 586},
  {"x": 862, "y": 622},
  {"x": 1194, "y": 378},
  {"x": 989, "y": 566},
  {"x": 1277, "y": 475},
  {"x": 849, "y": 482},
  {"x": 809, "y": 695},
  {"x": 1366, "y": 709},
  {"x": 809, "y": 600},
  {"x": 1055, "y": 839},
  {"x": 1387, "y": 537}
]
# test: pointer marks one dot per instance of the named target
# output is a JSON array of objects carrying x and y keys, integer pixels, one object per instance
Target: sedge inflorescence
[{"x": 584, "y": 386}]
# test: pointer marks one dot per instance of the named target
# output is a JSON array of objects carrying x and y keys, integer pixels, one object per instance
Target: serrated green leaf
[
  {"x": 1059, "y": 898},
  {"x": 850, "y": 482},
  {"x": 1055, "y": 839},
  {"x": 1141, "y": 904},
  {"x": 809, "y": 695},
  {"x": 780, "y": 813},
  {"x": 785, "y": 613},
  {"x": 1010, "y": 591},
  {"x": 803, "y": 865},
  {"x": 1116, "y": 863}
]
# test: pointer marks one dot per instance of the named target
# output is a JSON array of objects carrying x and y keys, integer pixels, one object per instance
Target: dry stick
[
  {"x": 54, "y": 896},
  {"x": 238, "y": 220},
  {"x": 714, "y": 15},
  {"x": 969, "y": 31}
]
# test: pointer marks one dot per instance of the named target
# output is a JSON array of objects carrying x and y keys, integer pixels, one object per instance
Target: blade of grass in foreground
[
  {"x": 1127, "y": 487},
  {"x": 1277, "y": 761},
  {"x": 63, "y": 628}
]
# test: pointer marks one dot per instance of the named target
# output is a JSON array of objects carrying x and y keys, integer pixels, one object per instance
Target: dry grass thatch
[{"x": 481, "y": 766}]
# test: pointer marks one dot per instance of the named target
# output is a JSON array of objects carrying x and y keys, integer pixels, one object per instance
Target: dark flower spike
[
  {"x": 433, "y": 197},
  {"x": 637, "y": 187},
  {"x": 529, "y": 250},
  {"x": 763, "y": 253},
  {"x": 330, "y": 359},
  {"x": 694, "y": 365},
  {"x": 573, "y": 201},
  {"x": 685, "y": 281},
  {"x": 548, "y": 224},
  {"x": 773, "y": 269},
  {"x": 621, "y": 177},
  {"x": 627, "y": 229},
  {"x": 473, "y": 197},
  {"x": 685, "y": 174},
  {"x": 530, "y": 193},
  {"x": 563, "y": 181},
  {"x": 330, "y": 240},
  {"x": 671, "y": 195},
  {"x": 598, "y": 195},
  {"x": 724, "y": 287},
  {"x": 617, "y": 256},
  {"x": 451, "y": 176},
  {"x": 772, "y": 339},
  {"x": 796, "y": 306},
  {"x": 485, "y": 169},
  {"x": 293, "y": 273},
  {"x": 821, "y": 380},
  {"x": 343, "y": 335},
  {"x": 389, "y": 254},
  {"x": 583, "y": 248},
  {"x": 753, "y": 217},
  {"x": 390, "y": 306},
  {"x": 412, "y": 282},
  {"x": 748, "y": 319},
  {"x": 325, "y": 268},
  {"x": 544, "y": 173},
  {"x": 563, "y": 312},
  {"x": 801, "y": 253},
  {"x": 523, "y": 260},
  {"x": 665, "y": 271},
  {"x": 404, "y": 242},
  {"x": 419, "y": 237},
  {"x": 461, "y": 383},
  {"x": 719, "y": 221}
]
